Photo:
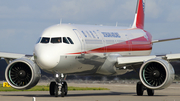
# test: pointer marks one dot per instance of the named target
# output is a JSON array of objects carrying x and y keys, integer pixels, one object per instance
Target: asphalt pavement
[{"x": 117, "y": 92}]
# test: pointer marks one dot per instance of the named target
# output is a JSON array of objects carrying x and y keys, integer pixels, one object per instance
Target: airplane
[{"x": 67, "y": 49}]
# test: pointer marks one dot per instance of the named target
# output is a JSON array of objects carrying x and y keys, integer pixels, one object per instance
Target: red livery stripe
[{"x": 138, "y": 44}]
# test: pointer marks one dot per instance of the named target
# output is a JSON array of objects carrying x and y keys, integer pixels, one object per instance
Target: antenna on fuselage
[
  {"x": 130, "y": 25},
  {"x": 116, "y": 24},
  {"x": 60, "y": 21}
]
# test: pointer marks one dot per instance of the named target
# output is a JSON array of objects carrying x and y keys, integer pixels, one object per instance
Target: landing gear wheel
[
  {"x": 58, "y": 87},
  {"x": 56, "y": 90},
  {"x": 150, "y": 92},
  {"x": 139, "y": 89},
  {"x": 62, "y": 91},
  {"x": 52, "y": 88},
  {"x": 65, "y": 88}
]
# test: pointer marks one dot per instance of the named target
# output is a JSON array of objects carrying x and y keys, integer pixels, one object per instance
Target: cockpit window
[
  {"x": 45, "y": 40},
  {"x": 70, "y": 40},
  {"x": 56, "y": 40},
  {"x": 65, "y": 40}
]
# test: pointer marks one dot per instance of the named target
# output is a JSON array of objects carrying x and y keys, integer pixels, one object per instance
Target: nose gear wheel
[{"x": 58, "y": 87}]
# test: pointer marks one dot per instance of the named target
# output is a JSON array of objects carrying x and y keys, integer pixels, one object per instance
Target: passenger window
[
  {"x": 70, "y": 40},
  {"x": 56, "y": 40},
  {"x": 45, "y": 40},
  {"x": 65, "y": 40}
]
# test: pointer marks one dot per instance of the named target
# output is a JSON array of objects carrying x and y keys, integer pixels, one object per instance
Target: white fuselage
[{"x": 82, "y": 49}]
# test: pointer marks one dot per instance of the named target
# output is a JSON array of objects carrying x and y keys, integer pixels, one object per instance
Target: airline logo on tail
[{"x": 144, "y": 5}]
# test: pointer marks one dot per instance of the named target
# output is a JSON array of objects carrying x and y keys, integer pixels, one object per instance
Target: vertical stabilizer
[{"x": 139, "y": 15}]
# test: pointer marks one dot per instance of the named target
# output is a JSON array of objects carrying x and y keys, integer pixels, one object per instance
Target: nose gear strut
[{"x": 59, "y": 86}]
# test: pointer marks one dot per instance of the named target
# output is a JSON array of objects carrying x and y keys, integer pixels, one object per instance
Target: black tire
[
  {"x": 150, "y": 92},
  {"x": 65, "y": 88},
  {"x": 139, "y": 89},
  {"x": 62, "y": 92},
  {"x": 52, "y": 88},
  {"x": 56, "y": 90}
]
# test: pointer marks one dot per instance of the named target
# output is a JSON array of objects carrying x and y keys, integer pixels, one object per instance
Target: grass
[{"x": 46, "y": 88}]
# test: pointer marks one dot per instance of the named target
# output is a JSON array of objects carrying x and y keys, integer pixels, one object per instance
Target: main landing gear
[
  {"x": 140, "y": 89},
  {"x": 59, "y": 87}
]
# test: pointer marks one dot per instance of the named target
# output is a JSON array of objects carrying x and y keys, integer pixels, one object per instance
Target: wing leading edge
[
  {"x": 123, "y": 61},
  {"x": 12, "y": 56}
]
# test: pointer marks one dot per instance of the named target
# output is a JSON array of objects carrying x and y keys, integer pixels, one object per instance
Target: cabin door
[{"x": 81, "y": 40}]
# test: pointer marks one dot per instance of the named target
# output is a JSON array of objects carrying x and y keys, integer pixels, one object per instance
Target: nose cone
[{"x": 46, "y": 57}]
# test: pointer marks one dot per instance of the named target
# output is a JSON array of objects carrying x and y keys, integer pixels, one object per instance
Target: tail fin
[{"x": 139, "y": 16}]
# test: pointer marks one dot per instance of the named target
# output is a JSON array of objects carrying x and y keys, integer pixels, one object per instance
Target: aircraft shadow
[
  {"x": 99, "y": 94},
  {"x": 79, "y": 94}
]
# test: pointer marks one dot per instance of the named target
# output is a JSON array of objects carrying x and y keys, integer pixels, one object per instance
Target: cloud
[
  {"x": 174, "y": 13},
  {"x": 124, "y": 10},
  {"x": 153, "y": 9},
  {"x": 163, "y": 10},
  {"x": 21, "y": 19},
  {"x": 82, "y": 10}
]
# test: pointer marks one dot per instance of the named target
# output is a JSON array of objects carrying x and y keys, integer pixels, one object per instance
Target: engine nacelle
[
  {"x": 22, "y": 74},
  {"x": 156, "y": 74}
]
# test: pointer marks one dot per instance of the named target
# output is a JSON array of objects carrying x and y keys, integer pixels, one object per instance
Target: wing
[
  {"x": 139, "y": 60},
  {"x": 115, "y": 64},
  {"x": 11, "y": 56},
  {"x": 162, "y": 40}
]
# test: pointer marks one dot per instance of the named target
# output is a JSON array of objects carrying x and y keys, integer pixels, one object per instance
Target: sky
[{"x": 23, "y": 21}]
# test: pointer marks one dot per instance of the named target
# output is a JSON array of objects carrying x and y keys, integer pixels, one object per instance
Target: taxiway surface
[{"x": 117, "y": 92}]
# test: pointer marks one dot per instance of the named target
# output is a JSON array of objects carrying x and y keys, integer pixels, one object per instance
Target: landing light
[
  {"x": 57, "y": 75},
  {"x": 124, "y": 67}
]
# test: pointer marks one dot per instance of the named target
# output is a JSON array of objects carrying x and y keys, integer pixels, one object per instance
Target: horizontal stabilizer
[{"x": 162, "y": 40}]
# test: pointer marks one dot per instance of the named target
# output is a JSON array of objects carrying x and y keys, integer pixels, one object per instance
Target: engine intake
[
  {"x": 156, "y": 74},
  {"x": 22, "y": 74}
]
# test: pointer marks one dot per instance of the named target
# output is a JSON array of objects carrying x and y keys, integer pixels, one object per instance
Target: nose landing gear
[{"x": 58, "y": 87}]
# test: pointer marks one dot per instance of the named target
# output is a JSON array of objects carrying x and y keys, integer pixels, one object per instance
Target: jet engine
[
  {"x": 156, "y": 74},
  {"x": 22, "y": 74}
]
